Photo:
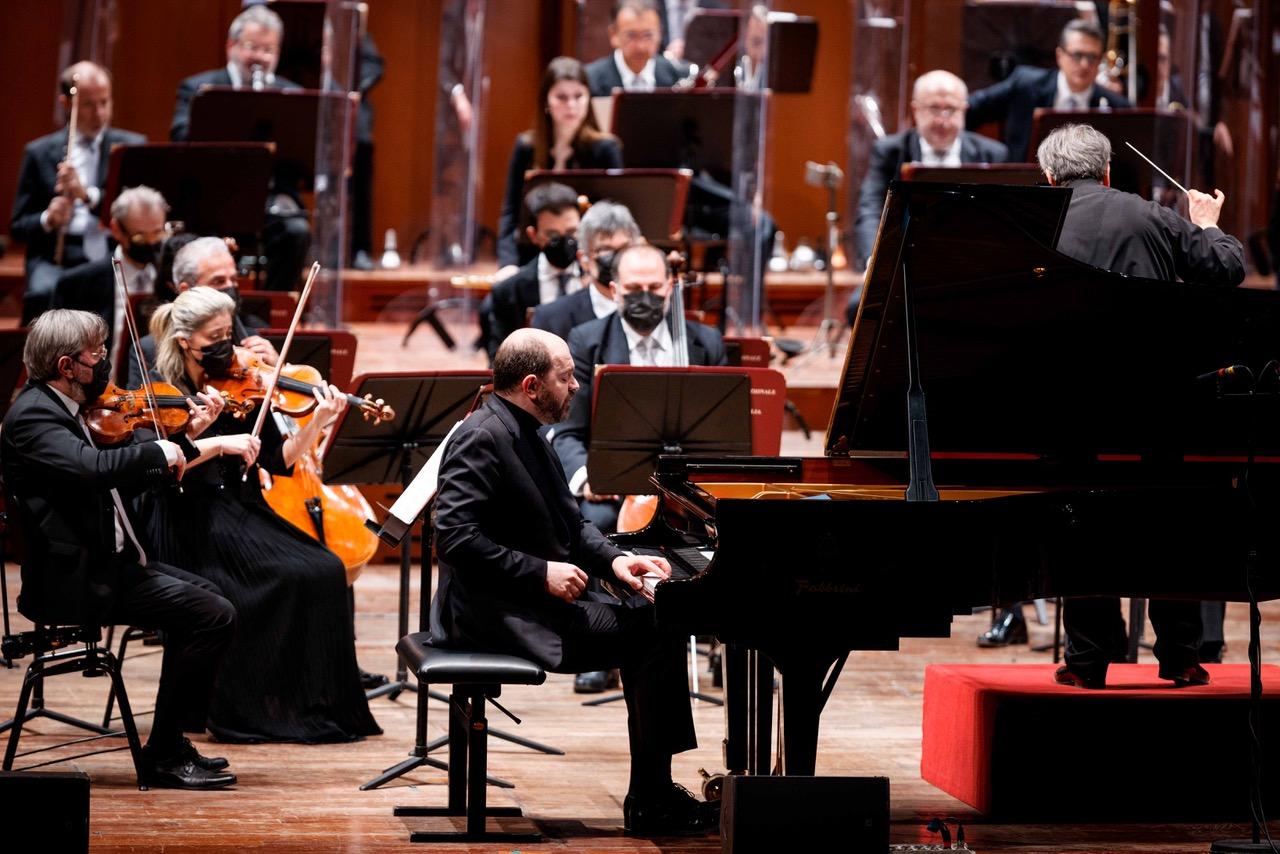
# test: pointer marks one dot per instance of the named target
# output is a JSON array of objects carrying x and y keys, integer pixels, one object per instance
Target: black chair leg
[
  {"x": 112, "y": 666},
  {"x": 20, "y": 717}
]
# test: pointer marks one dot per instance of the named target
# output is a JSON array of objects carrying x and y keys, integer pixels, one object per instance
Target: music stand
[
  {"x": 655, "y": 197},
  {"x": 332, "y": 352},
  {"x": 793, "y": 47},
  {"x": 678, "y": 128},
  {"x": 1016, "y": 174},
  {"x": 212, "y": 187}
]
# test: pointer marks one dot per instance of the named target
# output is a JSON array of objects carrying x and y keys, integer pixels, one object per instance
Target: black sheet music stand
[{"x": 655, "y": 197}]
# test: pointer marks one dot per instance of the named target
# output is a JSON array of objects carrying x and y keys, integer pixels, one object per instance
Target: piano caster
[{"x": 712, "y": 785}]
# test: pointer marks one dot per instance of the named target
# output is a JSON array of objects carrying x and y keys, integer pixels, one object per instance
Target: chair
[
  {"x": 476, "y": 678},
  {"x": 131, "y": 633}
]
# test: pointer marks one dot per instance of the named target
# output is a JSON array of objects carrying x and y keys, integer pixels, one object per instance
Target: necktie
[
  {"x": 562, "y": 283},
  {"x": 644, "y": 353},
  {"x": 121, "y": 517}
]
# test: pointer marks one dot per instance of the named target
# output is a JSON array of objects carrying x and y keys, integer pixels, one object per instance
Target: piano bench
[
  {"x": 476, "y": 678},
  {"x": 1013, "y": 744}
]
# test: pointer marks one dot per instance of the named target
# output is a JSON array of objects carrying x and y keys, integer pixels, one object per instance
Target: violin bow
[
  {"x": 284, "y": 351},
  {"x": 59, "y": 248}
]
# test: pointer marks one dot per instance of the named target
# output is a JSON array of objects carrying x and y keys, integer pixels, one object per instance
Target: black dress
[{"x": 290, "y": 674}]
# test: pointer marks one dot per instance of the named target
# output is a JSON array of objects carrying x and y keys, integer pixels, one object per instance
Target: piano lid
[{"x": 1024, "y": 350}]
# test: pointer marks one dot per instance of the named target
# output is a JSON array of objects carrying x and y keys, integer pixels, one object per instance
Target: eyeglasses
[
  {"x": 940, "y": 112},
  {"x": 639, "y": 35},
  {"x": 98, "y": 355},
  {"x": 1079, "y": 57}
]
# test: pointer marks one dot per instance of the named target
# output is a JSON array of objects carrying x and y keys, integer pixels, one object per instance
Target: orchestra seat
[
  {"x": 1140, "y": 750},
  {"x": 477, "y": 678}
]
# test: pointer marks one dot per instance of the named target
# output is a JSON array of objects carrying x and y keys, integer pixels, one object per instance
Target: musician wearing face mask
[
  {"x": 637, "y": 334},
  {"x": 59, "y": 186},
  {"x": 86, "y": 558},
  {"x": 551, "y": 275},
  {"x": 138, "y": 226},
  {"x": 207, "y": 262},
  {"x": 606, "y": 227},
  {"x": 290, "y": 674}
]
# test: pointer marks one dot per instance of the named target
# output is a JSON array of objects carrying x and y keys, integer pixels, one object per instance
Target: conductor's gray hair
[
  {"x": 186, "y": 264},
  {"x": 260, "y": 15},
  {"x": 1074, "y": 152},
  {"x": 606, "y": 218},
  {"x": 56, "y": 333}
]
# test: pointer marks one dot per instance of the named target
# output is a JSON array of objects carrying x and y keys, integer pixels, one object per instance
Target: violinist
[
  {"x": 60, "y": 186},
  {"x": 206, "y": 261},
  {"x": 290, "y": 674},
  {"x": 87, "y": 560}
]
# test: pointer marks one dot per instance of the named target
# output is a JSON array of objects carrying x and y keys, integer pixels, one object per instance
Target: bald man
[
  {"x": 938, "y": 138},
  {"x": 515, "y": 556},
  {"x": 62, "y": 189}
]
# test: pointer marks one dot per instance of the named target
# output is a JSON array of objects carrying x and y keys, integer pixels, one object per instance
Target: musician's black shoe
[
  {"x": 674, "y": 813},
  {"x": 208, "y": 763},
  {"x": 595, "y": 682},
  {"x": 1181, "y": 677},
  {"x": 369, "y": 681},
  {"x": 180, "y": 771},
  {"x": 1065, "y": 675},
  {"x": 1010, "y": 627}
]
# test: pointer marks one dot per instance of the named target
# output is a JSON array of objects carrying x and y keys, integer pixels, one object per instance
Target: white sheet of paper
[{"x": 423, "y": 487}]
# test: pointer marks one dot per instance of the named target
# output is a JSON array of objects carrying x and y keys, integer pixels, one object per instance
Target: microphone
[
  {"x": 1223, "y": 373},
  {"x": 259, "y": 78}
]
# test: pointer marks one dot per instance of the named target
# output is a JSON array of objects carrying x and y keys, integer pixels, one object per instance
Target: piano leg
[
  {"x": 737, "y": 707},
  {"x": 801, "y": 701},
  {"x": 762, "y": 713}
]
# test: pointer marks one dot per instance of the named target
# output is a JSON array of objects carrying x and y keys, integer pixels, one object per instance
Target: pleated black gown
[{"x": 290, "y": 674}]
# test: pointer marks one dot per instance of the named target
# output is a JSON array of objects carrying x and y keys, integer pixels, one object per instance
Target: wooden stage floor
[{"x": 300, "y": 798}]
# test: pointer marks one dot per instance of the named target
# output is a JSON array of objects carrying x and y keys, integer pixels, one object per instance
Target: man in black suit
[
  {"x": 635, "y": 64},
  {"x": 637, "y": 334},
  {"x": 606, "y": 227},
  {"x": 551, "y": 275},
  {"x": 138, "y": 227},
  {"x": 1072, "y": 85},
  {"x": 938, "y": 103},
  {"x": 1125, "y": 233},
  {"x": 253, "y": 51},
  {"x": 515, "y": 557},
  {"x": 82, "y": 559},
  {"x": 62, "y": 189}
]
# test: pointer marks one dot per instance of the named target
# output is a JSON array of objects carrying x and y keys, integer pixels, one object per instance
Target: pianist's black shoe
[
  {"x": 1010, "y": 627},
  {"x": 675, "y": 812},
  {"x": 180, "y": 771},
  {"x": 1181, "y": 677},
  {"x": 208, "y": 763},
  {"x": 595, "y": 682},
  {"x": 1065, "y": 675}
]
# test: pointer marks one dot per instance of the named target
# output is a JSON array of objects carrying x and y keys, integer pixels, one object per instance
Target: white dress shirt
[
  {"x": 549, "y": 281},
  {"x": 86, "y": 156},
  {"x": 654, "y": 350},
  {"x": 645, "y": 81},
  {"x": 238, "y": 81},
  {"x": 601, "y": 305},
  {"x": 930, "y": 157},
  {"x": 1066, "y": 99}
]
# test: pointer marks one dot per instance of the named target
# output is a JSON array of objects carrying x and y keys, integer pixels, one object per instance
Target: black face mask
[
  {"x": 101, "y": 379},
  {"x": 561, "y": 251},
  {"x": 234, "y": 293},
  {"x": 643, "y": 310},
  {"x": 143, "y": 254},
  {"x": 216, "y": 359},
  {"x": 604, "y": 266}
]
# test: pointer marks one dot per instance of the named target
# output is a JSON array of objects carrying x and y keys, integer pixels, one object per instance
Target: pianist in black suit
[
  {"x": 605, "y": 228},
  {"x": 937, "y": 138},
  {"x": 515, "y": 557},
  {"x": 1125, "y": 233},
  {"x": 1070, "y": 86}
]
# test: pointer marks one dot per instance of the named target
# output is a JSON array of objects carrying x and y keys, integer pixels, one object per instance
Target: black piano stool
[{"x": 476, "y": 677}]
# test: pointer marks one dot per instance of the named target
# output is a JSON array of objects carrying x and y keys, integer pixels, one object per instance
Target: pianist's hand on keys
[{"x": 641, "y": 572}]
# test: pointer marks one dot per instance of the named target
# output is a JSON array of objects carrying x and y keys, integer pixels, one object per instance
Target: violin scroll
[{"x": 375, "y": 410}]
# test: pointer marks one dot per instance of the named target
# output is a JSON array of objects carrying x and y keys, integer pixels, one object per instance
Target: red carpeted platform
[{"x": 1011, "y": 743}]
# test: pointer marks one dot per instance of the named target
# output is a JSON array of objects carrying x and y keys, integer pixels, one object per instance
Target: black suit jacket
[
  {"x": 562, "y": 315},
  {"x": 887, "y": 157},
  {"x": 603, "y": 342},
  {"x": 90, "y": 287},
  {"x": 188, "y": 88},
  {"x": 58, "y": 486},
  {"x": 604, "y": 153},
  {"x": 1124, "y": 233},
  {"x": 497, "y": 520},
  {"x": 1014, "y": 99},
  {"x": 603, "y": 76},
  {"x": 509, "y": 302},
  {"x": 36, "y": 179}
]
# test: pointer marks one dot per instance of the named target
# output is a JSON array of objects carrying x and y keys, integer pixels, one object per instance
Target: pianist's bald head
[{"x": 533, "y": 369}]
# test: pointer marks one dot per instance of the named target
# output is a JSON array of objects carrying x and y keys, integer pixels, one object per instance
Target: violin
[
  {"x": 247, "y": 380},
  {"x": 117, "y": 412}
]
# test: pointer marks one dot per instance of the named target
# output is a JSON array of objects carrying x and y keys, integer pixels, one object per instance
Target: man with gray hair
[
  {"x": 138, "y": 226},
  {"x": 84, "y": 561},
  {"x": 938, "y": 138},
  {"x": 1125, "y": 233},
  {"x": 253, "y": 51},
  {"x": 605, "y": 228}
]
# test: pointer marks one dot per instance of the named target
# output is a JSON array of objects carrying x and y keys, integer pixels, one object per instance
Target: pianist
[
  {"x": 1124, "y": 233},
  {"x": 515, "y": 554}
]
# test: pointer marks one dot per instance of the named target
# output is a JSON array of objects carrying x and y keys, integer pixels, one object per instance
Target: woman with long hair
[
  {"x": 290, "y": 674},
  {"x": 565, "y": 136}
]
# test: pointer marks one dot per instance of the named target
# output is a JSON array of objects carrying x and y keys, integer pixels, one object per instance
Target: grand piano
[{"x": 1070, "y": 446}]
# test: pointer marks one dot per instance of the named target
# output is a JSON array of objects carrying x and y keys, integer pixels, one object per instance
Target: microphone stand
[{"x": 828, "y": 176}]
